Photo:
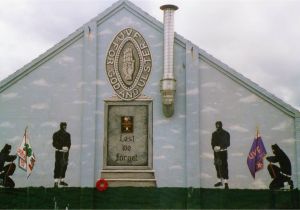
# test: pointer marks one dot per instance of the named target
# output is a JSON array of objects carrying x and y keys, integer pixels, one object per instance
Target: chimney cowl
[{"x": 169, "y": 6}]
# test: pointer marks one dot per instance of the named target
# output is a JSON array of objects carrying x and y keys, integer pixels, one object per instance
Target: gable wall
[
  {"x": 241, "y": 111},
  {"x": 73, "y": 85},
  {"x": 168, "y": 134},
  {"x": 40, "y": 100}
]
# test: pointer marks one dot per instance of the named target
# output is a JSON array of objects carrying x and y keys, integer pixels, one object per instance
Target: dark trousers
[
  {"x": 221, "y": 164},
  {"x": 278, "y": 178},
  {"x": 61, "y": 164},
  {"x": 5, "y": 180}
]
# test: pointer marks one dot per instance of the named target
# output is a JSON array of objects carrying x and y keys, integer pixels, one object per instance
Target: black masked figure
[
  {"x": 7, "y": 170},
  {"x": 280, "y": 174},
  {"x": 220, "y": 141},
  {"x": 62, "y": 145}
]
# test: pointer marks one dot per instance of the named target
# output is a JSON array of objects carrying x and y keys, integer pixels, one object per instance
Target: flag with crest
[
  {"x": 256, "y": 155},
  {"x": 25, "y": 154}
]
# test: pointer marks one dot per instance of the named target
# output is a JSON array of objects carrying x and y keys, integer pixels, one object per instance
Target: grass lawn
[{"x": 146, "y": 198}]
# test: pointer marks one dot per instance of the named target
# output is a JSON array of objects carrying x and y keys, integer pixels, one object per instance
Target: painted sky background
[{"x": 258, "y": 38}]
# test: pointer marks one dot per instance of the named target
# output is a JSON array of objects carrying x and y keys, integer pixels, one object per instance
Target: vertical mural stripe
[
  {"x": 88, "y": 106},
  {"x": 192, "y": 116},
  {"x": 296, "y": 171}
]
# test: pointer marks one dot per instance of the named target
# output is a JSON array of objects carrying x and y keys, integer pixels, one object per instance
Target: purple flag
[{"x": 256, "y": 155}]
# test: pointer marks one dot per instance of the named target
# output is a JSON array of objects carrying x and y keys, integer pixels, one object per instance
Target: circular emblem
[{"x": 128, "y": 64}]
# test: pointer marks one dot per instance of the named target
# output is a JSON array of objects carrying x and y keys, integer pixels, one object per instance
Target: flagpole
[
  {"x": 256, "y": 140},
  {"x": 26, "y": 143},
  {"x": 27, "y": 148},
  {"x": 26, "y": 134},
  {"x": 257, "y": 131},
  {"x": 26, "y": 165}
]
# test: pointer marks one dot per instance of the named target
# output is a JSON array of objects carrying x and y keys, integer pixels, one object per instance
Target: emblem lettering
[{"x": 128, "y": 64}]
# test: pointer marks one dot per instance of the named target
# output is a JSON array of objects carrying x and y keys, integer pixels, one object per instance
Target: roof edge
[
  {"x": 248, "y": 84},
  {"x": 44, "y": 57},
  {"x": 79, "y": 33},
  {"x": 32, "y": 65},
  {"x": 141, "y": 14}
]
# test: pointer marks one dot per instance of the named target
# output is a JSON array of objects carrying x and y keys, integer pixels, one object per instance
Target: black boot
[
  {"x": 218, "y": 184},
  {"x": 291, "y": 184},
  {"x": 62, "y": 183}
]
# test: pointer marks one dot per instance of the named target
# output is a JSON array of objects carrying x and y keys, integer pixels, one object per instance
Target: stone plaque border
[{"x": 114, "y": 101}]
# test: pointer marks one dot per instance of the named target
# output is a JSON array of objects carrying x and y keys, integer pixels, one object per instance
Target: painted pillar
[
  {"x": 296, "y": 171},
  {"x": 192, "y": 116},
  {"x": 89, "y": 76}
]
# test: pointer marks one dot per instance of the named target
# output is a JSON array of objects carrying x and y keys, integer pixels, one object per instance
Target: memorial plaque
[
  {"x": 128, "y": 153},
  {"x": 128, "y": 134}
]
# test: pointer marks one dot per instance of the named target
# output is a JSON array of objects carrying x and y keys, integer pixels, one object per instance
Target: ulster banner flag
[
  {"x": 256, "y": 155},
  {"x": 26, "y": 156}
]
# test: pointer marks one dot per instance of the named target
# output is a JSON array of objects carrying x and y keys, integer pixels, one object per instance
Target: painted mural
[{"x": 61, "y": 98}]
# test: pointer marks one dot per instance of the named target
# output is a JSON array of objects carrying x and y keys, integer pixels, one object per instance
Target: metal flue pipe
[{"x": 168, "y": 83}]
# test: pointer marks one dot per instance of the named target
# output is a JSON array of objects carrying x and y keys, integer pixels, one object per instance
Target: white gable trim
[
  {"x": 79, "y": 33},
  {"x": 248, "y": 84},
  {"x": 124, "y": 4},
  {"x": 28, "y": 68}
]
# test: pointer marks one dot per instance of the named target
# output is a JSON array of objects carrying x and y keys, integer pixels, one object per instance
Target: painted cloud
[
  {"x": 7, "y": 125},
  {"x": 41, "y": 82},
  {"x": 9, "y": 95},
  {"x": 105, "y": 32},
  {"x": 207, "y": 155},
  {"x": 205, "y": 176},
  {"x": 39, "y": 106},
  {"x": 168, "y": 147},
  {"x": 176, "y": 167},
  {"x": 161, "y": 157},
  {"x": 209, "y": 110},
  {"x": 192, "y": 92},
  {"x": 238, "y": 128},
  {"x": 281, "y": 126},
  {"x": 49, "y": 124},
  {"x": 249, "y": 99}
]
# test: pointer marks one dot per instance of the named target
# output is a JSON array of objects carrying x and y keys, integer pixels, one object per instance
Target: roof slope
[
  {"x": 247, "y": 83},
  {"x": 231, "y": 73}
]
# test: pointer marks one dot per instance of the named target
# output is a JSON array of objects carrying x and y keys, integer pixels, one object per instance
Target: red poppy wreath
[{"x": 101, "y": 184}]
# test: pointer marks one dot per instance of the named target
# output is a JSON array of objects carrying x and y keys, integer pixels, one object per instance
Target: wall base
[{"x": 132, "y": 178}]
